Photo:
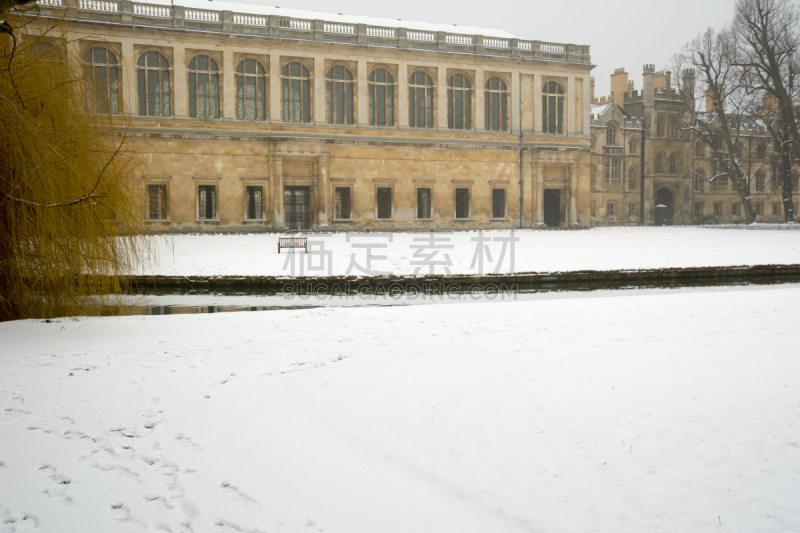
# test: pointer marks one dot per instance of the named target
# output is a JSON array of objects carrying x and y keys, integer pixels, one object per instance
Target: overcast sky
[{"x": 621, "y": 33}]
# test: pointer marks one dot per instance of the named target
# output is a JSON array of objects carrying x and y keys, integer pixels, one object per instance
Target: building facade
[{"x": 268, "y": 118}]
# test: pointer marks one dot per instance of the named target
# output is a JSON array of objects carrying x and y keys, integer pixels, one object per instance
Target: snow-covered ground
[
  {"x": 620, "y": 411},
  {"x": 536, "y": 251}
]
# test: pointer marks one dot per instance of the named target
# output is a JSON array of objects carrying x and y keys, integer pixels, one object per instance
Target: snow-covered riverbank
[
  {"x": 362, "y": 254},
  {"x": 620, "y": 411}
]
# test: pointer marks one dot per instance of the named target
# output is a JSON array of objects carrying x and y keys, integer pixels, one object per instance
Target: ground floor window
[
  {"x": 342, "y": 200},
  {"x": 157, "y": 201},
  {"x": 759, "y": 209},
  {"x": 718, "y": 210},
  {"x": 498, "y": 203},
  {"x": 254, "y": 198},
  {"x": 698, "y": 209},
  {"x": 736, "y": 209},
  {"x": 610, "y": 209},
  {"x": 207, "y": 202},
  {"x": 631, "y": 209},
  {"x": 424, "y": 200},
  {"x": 776, "y": 209},
  {"x": 462, "y": 203},
  {"x": 384, "y": 202}
]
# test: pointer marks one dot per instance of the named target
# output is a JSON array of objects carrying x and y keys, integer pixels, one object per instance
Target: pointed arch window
[
  {"x": 381, "y": 98},
  {"x": 659, "y": 163},
  {"x": 553, "y": 108},
  {"x": 420, "y": 100},
  {"x": 611, "y": 134},
  {"x": 632, "y": 181},
  {"x": 203, "y": 87},
  {"x": 700, "y": 180},
  {"x": 153, "y": 85},
  {"x": 102, "y": 80},
  {"x": 673, "y": 163},
  {"x": 632, "y": 145},
  {"x": 340, "y": 95},
  {"x": 296, "y": 93},
  {"x": 251, "y": 90},
  {"x": 759, "y": 181},
  {"x": 496, "y": 105},
  {"x": 459, "y": 103}
]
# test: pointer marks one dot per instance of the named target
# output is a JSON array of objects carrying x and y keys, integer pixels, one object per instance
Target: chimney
[
  {"x": 619, "y": 86},
  {"x": 591, "y": 90},
  {"x": 648, "y": 90}
]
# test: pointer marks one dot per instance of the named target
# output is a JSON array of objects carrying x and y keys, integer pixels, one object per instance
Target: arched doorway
[{"x": 665, "y": 197}]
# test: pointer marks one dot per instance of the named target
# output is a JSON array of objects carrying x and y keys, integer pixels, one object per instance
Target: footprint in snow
[
  {"x": 187, "y": 443},
  {"x": 223, "y": 526},
  {"x": 232, "y": 492},
  {"x": 157, "y": 502},
  {"x": 120, "y": 512},
  {"x": 18, "y": 521}
]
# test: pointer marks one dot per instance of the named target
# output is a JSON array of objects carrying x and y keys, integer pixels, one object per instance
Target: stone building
[
  {"x": 267, "y": 118},
  {"x": 678, "y": 168}
]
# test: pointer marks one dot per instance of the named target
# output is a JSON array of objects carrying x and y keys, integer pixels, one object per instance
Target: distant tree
[{"x": 68, "y": 210}]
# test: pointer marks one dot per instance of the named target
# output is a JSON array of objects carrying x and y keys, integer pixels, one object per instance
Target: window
[
  {"x": 718, "y": 210},
  {"x": 659, "y": 163},
  {"x": 385, "y": 202},
  {"x": 340, "y": 95},
  {"x": 776, "y": 209},
  {"x": 251, "y": 90},
  {"x": 699, "y": 180},
  {"x": 673, "y": 128},
  {"x": 613, "y": 171},
  {"x": 381, "y": 98},
  {"x": 759, "y": 209},
  {"x": 759, "y": 181},
  {"x": 254, "y": 197},
  {"x": 698, "y": 209},
  {"x": 459, "y": 103},
  {"x": 553, "y": 108},
  {"x": 775, "y": 178},
  {"x": 462, "y": 203},
  {"x": 498, "y": 203},
  {"x": 795, "y": 181},
  {"x": 157, "y": 202},
  {"x": 610, "y": 210},
  {"x": 735, "y": 209},
  {"x": 673, "y": 163},
  {"x": 496, "y": 105},
  {"x": 424, "y": 203},
  {"x": 632, "y": 145},
  {"x": 632, "y": 178},
  {"x": 660, "y": 126},
  {"x": 632, "y": 210},
  {"x": 611, "y": 134},
  {"x": 420, "y": 101},
  {"x": 152, "y": 82},
  {"x": 296, "y": 93},
  {"x": 699, "y": 149},
  {"x": 342, "y": 201},
  {"x": 207, "y": 202},
  {"x": 761, "y": 151},
  {"x": 203, "y": 88},
  {"x": 102, "y": 80}
]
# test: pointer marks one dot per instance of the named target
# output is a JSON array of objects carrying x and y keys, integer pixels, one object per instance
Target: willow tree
[{"x": 69, "y": 212}]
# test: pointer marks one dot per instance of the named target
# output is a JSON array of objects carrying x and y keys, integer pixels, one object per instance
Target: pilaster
[
  {"x": 480, "y": 96},
  {"x": 275, "y": 87},
  {"x": 179, "y": 80},
  {"x": 228, "y": 86},
  {"x": 441, "y": 97}
]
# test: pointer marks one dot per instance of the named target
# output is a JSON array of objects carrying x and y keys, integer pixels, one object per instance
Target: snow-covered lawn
[
  {"x": 618, "y": 411},
  {"x": 536, "y": 251}
]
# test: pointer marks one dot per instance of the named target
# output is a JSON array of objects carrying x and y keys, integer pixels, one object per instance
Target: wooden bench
[{"x": 292, "y": 242}]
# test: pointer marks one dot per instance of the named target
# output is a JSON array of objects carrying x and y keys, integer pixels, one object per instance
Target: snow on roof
[
  {"x": 261, "y": 9},
  {"x": 598, "y": 109}
]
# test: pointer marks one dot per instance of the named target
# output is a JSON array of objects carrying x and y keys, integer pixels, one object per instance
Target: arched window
[
  {"x": 251, "y": 90},
  {"x": 381, "y": 98},
  {"x": 761, "y": 151},
  {"x": 203, "y": 88},
  {"x": 660, "y": 126},
  {"x": 340, "y": 91},
  {"x": 152, "y": 81},
  {"x": 296, "y": 93},
  {"x": 102, "y": 80},
  {"x": 420, "y": 100},
  {"x": 699, "y": 149},
  {"x": 611, "y": 134},
  {"x": 700, "y": 180},
  {"x": 659, "y": 163},
  {"x": 673, "y": 163},
  {"x": 632, "y": 182},
  {"x": 759, "y": 181},
  {"x": 553, "y": 107},
  {"x": 459, "y": 103},
  {"x": 496, "y": 105},
  {"x": 632, "y": 145}
]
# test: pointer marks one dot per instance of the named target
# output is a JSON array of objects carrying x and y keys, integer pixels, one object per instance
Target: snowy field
[
  {"x": 536, "y": 251},
  {"x": 618, "y": 411}
]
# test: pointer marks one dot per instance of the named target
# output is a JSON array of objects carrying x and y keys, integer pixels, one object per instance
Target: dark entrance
[
  {"x": 297, "y": 206},
  {"x": 552, "y": 207},
  {"x": 666, "y": 198}
]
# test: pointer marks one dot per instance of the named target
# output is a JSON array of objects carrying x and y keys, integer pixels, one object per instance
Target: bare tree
[
  {"x": 710, "y": 59},
  {"x": 767, "y": 45}
]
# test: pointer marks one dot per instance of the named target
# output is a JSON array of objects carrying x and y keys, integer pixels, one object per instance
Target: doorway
[
  {"x": 552, "y": 207},
  {"x": 297, "y": 207},
  {"x": 665, "y": 197}
]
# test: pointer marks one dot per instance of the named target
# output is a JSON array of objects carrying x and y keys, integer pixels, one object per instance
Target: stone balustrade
[{"x": 144, "y": 14}]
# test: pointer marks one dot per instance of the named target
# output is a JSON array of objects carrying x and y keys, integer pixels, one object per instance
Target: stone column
[
  {"x": 320, "y": 106},
  {"x": 573, "y": 194},
  {"x": 228, "y": 95},
  {"x": 570, "y": 119},
  {"x": 537, "y": 103},
  {"x": 324, "y": 163},
  {"x": 278, "y": 220},
  {"x": 402, "y": 95},
  {"x": 516, "y": 109},
  {"x": 539, "y": 171},
  {"x": 179, "y": 107},
  {"x": 275, "y": 88},
  {"x": 441, "y": 98},
  {"x": 362, "y": 99},
  {"x": 480, "y": 116}
]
